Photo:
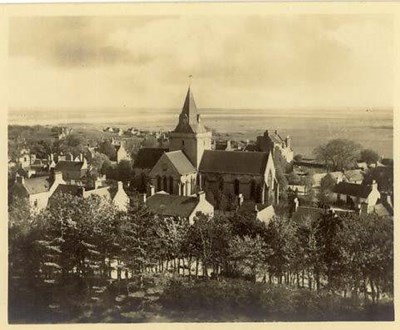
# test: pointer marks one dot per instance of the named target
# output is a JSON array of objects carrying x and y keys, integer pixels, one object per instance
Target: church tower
[{"x": 190, "y": 135}]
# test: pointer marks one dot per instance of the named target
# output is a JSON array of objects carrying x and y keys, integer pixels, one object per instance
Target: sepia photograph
[{"x": 173, "y": 163}]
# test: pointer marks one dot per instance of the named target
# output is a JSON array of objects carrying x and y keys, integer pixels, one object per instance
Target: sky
[{"x": 261, "y": 62}]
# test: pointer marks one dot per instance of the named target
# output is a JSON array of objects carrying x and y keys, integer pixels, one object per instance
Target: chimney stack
[
  {"x": 201, "y": 196},
  {"x": 20, "y": 179},
  {"x": 144, "y": 198},
  {"x": 120, "y": 185},
  {"x": 276, "y": 132},
  {"x": 374, "y": 185},
  {"x": 198, "y": 118},
  {"x": 152, "y": 190}
]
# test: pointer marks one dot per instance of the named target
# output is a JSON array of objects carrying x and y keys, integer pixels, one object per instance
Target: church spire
[{"x": 189, "y": 107}]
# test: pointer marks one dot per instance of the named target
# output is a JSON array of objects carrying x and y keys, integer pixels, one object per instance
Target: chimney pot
[{"x": 120, "y": 185}]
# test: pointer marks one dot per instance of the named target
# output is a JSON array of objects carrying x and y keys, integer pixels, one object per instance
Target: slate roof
[
  {"x": 172, "y": 205},
  {"x": 235, "y": 162},
  {"x": 383, "y": 210},
  {"x": 148, "y": 157},
  {"x": 68, "y": 189},
  {"x": 180, "y": 162},
  {"x": 37, "y": 185},
  {"x": 352, "y": 189},
  {"x": 66, "y": 165}
]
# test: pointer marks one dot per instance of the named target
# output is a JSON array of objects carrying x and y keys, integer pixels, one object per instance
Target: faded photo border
[{"x": 206, "y": 8}]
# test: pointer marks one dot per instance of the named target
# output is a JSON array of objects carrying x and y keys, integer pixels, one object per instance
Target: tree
[
  {"x": 294, "y": 179},
  {"x": 298, "y": 157},
  {"x": 369, "y": 156},
  {"x": 338, "y": 154},
  {"x": 98, "y": 160},
  {"x": 108, "y": 149}
]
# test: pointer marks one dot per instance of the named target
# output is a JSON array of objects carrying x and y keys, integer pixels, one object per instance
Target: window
[
  {"x": 236, "y": 184},
  {"x": 35, "y": 203},
  {"x": 171, "y": 185},
  {"x": 158, "y": 183},
  {"x": 253, "y": 189},
  {"x": 165, "y": 184},
  {"x": 183, "y": 143}
]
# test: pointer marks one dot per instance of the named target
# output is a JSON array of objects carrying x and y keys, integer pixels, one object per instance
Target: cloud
[{"x": 237, "y": 61}]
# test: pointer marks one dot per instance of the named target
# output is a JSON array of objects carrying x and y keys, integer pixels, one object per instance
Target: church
[{"x": 190, "y": 165}]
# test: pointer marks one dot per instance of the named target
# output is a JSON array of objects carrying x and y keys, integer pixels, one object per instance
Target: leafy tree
[
  {"x": 298, "y": 158},
  {"x": 338, "y": 154},
  {"x": 369, "y": 156},
  {"x": 294, "y": 179},
  {"x": 108, "y": 149}
]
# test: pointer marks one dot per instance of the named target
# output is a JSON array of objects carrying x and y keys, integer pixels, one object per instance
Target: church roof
[
  {"x": 180, "y": 162},
  {"x": 238, "y": 162},
  {"x": 148, "y": 157},
  {"x": 189, "y": 120},
  {"x": 172, "y": 205}
]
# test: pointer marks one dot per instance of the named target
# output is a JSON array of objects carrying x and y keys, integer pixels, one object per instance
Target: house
[
  {"x": 358, "y": 196},
  {"x": 37, "y": 190},
  {"x": 186, "y": 207},
  {"x": 262, "y": 212},
  {"x": 354, "y": 176},
  {"x": 118, "y": 196},
  {"x": 271, "y": 142},
  {"x": 72, "y": 170},
  {"x": 225, "y": 145},
  {"x": 337, "y": 176},
  {"x": 122, "y": 153}
]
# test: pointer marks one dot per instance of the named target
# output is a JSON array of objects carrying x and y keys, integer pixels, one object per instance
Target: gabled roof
[
  {"x": 235, "y": 162},
  {"x": 172, "y": 205},
  {"x": 352, "y": 189},
  {"x": 68, "y": 189},
  {"x": 67, "y": 165},
  {"x": 180, "y": 162},
  {"x": 148, "y": 157},
  {"x": 37, "y": 185}
]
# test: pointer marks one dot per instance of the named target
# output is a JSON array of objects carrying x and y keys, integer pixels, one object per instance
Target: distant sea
[{"x": 307, "y": 127}]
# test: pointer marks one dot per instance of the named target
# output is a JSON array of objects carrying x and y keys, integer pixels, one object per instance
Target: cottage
[
  {"x": 72, "y": 170},
  {"x": 118, "y": 196},
  {"x": 358, "y": 195},
  {"x": 37, "y": 190},
  {"x": 122, "y": 153},
  {"x": 186, "y": 207},
  {"x": 271, "y": 142}
]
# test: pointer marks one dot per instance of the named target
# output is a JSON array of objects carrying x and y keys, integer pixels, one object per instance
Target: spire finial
[{"x": 190, "y": 80}]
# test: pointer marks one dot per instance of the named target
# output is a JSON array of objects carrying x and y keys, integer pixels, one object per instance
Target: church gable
[{"x": 164, "y": 167}]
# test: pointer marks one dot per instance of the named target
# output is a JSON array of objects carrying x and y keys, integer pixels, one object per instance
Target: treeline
[{"x": 87, "y": 238}]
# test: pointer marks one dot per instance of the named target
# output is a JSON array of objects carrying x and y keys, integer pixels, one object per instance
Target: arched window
[
  {"x": 158, "y": 183},
  {"x": 253, "y": 189},
  {"x": 165, "y": 186},
  {"x": 236, "y": 185},
  {"x": 171, "y": 185},
  {"x": 183, "y": 143},
  {"x": 221, "y": 183}
]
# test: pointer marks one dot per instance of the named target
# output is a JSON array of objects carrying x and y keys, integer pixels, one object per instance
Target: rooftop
[
  {"x": 148, "y": 157},
  {"x": 172, "y": 205},
  {"x": 238, "y": 162},
  {"x": 352, "y": 189}
]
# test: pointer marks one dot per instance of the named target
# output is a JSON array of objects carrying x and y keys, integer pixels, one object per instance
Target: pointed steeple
[{"x": 189, "y": 107}]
